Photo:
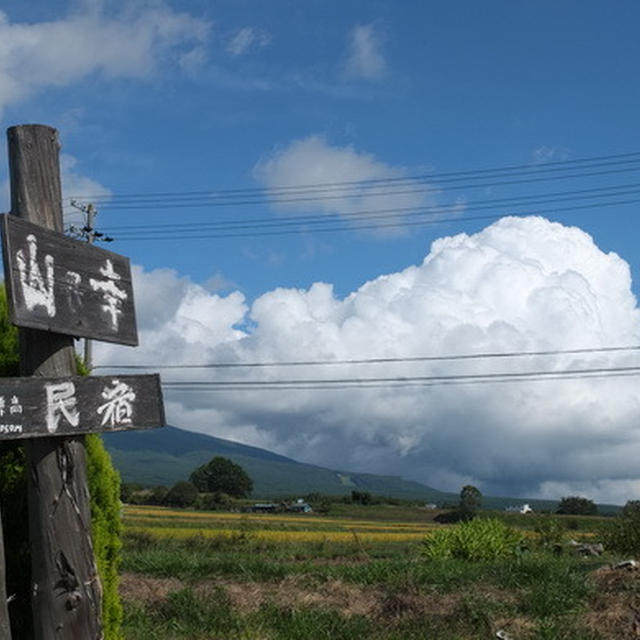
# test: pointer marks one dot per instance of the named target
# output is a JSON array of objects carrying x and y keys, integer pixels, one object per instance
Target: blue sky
[
  {"x": 452, "y": 86},
  {"x": 196, "y": 96}
]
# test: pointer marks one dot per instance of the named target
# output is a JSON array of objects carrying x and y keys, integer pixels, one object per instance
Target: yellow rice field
[
  {"x": 269, "y": 535},
  {"x": 176, "y": 523},
  {"x": 183, "y": 515},
  {"x": 275, "y": 528}
]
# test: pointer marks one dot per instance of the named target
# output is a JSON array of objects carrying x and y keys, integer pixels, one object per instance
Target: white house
[{"x": 524, "y": 508}]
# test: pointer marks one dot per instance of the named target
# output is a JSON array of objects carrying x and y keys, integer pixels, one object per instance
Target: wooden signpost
[
  {"x": 58, "y": 288},
  {"x": 33, "y": 407},
  {"x": 60, "y": 284}
]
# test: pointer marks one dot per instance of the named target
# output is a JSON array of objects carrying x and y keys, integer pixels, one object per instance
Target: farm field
[{"x": 216, "y": 575}]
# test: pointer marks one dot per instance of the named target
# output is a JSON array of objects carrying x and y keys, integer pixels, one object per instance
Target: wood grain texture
[
  {"x": 72, "y": 295},
  {"x": 66, "y": 592},
  {"x": 34, "y": 174},
  {"x": 5, "y": 628}
]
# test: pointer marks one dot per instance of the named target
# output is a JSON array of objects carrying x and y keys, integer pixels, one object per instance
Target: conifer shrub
[
  {"x": 476, "y": 540},
  {"x": 106, "y": 531}
]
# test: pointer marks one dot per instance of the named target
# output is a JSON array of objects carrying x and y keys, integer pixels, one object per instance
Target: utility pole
[
  {"x": 89, "y": 234},
  {"x": 88, "y": 360}
]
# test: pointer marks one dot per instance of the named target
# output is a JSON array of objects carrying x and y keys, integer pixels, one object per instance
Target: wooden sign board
[
  {"x": 56, "y": 283},
  {"x": 32, "y": 407}
]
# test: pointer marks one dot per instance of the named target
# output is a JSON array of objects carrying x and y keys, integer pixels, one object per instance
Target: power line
[
  {"x": 383, "y": 360},
  {"x": 437, "y": 379},
  {"x": 267, "y": 197},
  {"x": 390, "y": 213},
  {"x": 400, "y": 385},
  {"x": 359, "y": 227},
  {"x": 469, "y": 174}
]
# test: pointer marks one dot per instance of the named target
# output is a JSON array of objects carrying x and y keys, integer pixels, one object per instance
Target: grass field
[{"x": 212, "y": 575}]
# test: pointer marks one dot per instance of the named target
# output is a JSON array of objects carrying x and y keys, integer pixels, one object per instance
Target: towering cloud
[{"x": 521, "y": 284}]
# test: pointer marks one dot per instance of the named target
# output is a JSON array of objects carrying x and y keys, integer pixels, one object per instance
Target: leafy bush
[
  {"x": 550, "y": 532},
  {"x": 577, "y": 506},
  {"x": 214, "y": 501},
  {"x": 475, "y": 540},
  {"x": 182, "y": 494},
  {"x": 361, "y": 497},
  {"x": 623, "y": 534},
  {"x": 158, "y": 495},
  {"x": 631, "y": 508}
]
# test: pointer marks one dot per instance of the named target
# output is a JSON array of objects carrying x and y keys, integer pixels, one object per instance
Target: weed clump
[
  {"x": 623, "y": 535},
  {"x": 477, "y": 540},
  {"x": 550, "y": 533}
]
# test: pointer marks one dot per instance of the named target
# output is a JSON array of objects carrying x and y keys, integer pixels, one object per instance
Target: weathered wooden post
[
  {"x": 5, "y": 629},
  {"x": 66, "y": 593},
  {"x": 58, "y": 288}
]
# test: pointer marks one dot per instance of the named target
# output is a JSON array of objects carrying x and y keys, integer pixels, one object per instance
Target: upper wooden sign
[
  {"x": 32, "y": 407},
  {"x": 56, "y": 283}
]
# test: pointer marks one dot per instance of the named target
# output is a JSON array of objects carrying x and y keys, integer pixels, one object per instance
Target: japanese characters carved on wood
[
  {"x": 31, "y": 407},
  {"x": 60, "y": 284}
]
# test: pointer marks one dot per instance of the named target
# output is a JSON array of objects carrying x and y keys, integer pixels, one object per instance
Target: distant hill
[{"x": 168, "y": 455}]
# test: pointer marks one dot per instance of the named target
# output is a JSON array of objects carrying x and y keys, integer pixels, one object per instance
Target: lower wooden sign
[{"x": 32, "y": 407}]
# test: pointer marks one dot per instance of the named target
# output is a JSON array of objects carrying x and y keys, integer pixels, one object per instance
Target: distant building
[
  {"x": 299, "y": 506},
  {"x": 431, "y": 506},
  {"x": 265, "y": 507},
  {"x": 522, "y": 508}
]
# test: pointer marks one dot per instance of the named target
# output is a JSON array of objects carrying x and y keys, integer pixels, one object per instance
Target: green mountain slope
[
  {"x": 165, "y": 456},
  {"x": 168, "y": 455}
]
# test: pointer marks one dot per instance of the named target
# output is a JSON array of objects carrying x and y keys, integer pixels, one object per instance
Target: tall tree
[
  {"x": 221, "y": 474},
  {"x": 470, "y": 501}
]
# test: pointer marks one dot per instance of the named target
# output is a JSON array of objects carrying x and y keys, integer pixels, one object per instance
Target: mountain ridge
[{"x": 170, "y": 454}]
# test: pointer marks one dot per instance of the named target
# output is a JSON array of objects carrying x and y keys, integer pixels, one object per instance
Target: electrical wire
[
  {"x": 376, "y": 214},
  {"x": 381, "y": 225},
  {"x": 400, "y": 385},
  {"x": 381, "y": 360},
  {"x": 430, "y": 380},
  {"x": 592, "y": 162},
  {"x": 267, "y": 198}
]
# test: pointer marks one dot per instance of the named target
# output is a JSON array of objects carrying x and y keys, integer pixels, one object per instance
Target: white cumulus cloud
[
  {"x": 309, "y": 175},
  {"x": 521, "y": 284},
  {"x": 129, "y": 44}
]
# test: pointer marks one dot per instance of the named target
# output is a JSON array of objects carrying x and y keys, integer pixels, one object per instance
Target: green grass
[
  {"x": 390, "y": 564},
  {"x": 410, "y": 596}
]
